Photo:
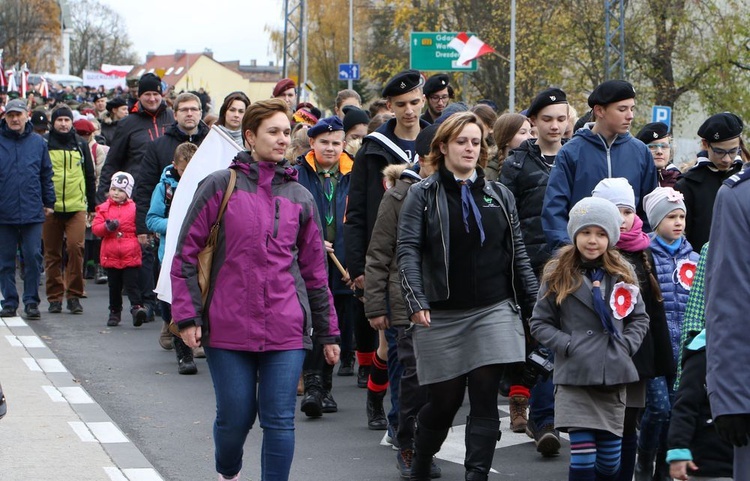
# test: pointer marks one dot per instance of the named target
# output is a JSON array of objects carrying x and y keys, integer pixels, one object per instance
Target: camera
[{"x": 539, "y": 364}]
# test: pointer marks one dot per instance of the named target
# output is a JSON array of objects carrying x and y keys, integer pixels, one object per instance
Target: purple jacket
[{"x": 269, "y": 281}]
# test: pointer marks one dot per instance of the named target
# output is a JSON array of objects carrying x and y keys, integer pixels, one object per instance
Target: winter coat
[
  {"x": 382, "y": 279},
  {"x": 585, "y": 353},
  {"x": 161, "y": 201},
  {"x": 424, "y": 245},
  {"x": 366, "y": 190},
  {"x": 108, "y": 127},
  {"x": 525, "y": 174},
  {"x": 132, "y": 137},
  {"x": 308, "y": 177},
  {"x": 120, "y": 249},
  {"x": 159, "y": 154},
  {"x": 675, "y": 283},
  {"x": 581, "y": 164},
  {"x": 75, "y": 175},
  {"x": 269, "y": 282},
  {"x": 699, "y": 185},
  {"x": 26, "y": 186},
  {"x": 668, "y": 176}
]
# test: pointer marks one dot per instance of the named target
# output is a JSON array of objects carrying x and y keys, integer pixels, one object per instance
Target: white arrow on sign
[{"x": 354, "y": 71}]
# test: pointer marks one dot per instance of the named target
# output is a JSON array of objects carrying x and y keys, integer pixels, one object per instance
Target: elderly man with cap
[
  {"x": 27, "y": 197},
  {"x": 439, "y": 93},
  {"x": 65, "y": 229},
  {"x": 720, "y": 159},
  {"x": 117, "y": 109},
  {"x": 286, "y": 90},
  {"x": 601, "y": 149},
  {"x": 657, "y": 138}
]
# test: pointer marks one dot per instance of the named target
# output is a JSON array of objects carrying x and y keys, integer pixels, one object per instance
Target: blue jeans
[
  {"x": 29, "y": 238},
  {"x": 655, "y": 420},
  {"x": 249, "y": 384},
  {"x": 395, "y": 370}
]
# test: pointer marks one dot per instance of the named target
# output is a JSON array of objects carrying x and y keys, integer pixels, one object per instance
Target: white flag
[{"x": 215, "y": 153}]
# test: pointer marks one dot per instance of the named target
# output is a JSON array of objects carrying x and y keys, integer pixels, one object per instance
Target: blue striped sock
[{"x": 582, "y": 456}]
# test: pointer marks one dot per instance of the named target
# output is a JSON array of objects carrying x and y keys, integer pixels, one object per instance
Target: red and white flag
[
  {"x": 3, "y": 81},
  {"x": 24, "y": 80},
  {"x": 44, "y": 88},
  {"x": 12, "y": 86},
  {"x": 469, "y": 48}
]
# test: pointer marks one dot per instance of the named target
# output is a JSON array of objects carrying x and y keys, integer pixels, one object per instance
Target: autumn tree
[
  {"x": 99, "y": 36},
  {"x": 30, "y": 33}
]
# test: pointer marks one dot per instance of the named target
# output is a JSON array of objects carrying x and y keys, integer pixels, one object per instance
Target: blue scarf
[
  {"x": 596, "y": 275},
  {"x": 671, "y": 248},
  {"x": 467, "y": 203}
]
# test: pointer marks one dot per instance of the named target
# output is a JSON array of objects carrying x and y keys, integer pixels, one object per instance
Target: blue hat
[{"x": 328, "y": 124}]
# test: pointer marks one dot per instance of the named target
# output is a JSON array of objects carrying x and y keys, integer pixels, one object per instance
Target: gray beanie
[
  {"x": 616, "y": 190},
  {"x": 660, "y": 202},
  {"x": 597, "y": 212}
]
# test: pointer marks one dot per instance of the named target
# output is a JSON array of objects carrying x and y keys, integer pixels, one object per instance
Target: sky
[{"x": 233, "y": 29}]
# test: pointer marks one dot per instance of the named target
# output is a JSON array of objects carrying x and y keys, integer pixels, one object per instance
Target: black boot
[
  {"x": 376, "y": 419},
  {"x": 644, "y": 466},
  {"x": 482, "y": 435},
  {"x": 328, "y": 403},
  {"x": 661, "y": 472},
  {"x": 312, "y": 401},
  {"x": 185, "y": 362},
  {"x": 346, "y": 367},
  {"x": 427, "y": 442}
]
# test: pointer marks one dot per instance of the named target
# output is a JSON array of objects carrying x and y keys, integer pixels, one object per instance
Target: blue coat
[
  {"x": 584, "y": 161},
  {"x": 161, "y": 200},
  {"x": 25, "y": 176},
  {"x": 308, "y": 177},
  {"x": 673, "y": 292}
]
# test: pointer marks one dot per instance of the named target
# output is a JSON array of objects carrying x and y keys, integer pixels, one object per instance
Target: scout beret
[
  {"x": 328, "y": 124},
  {"x": 437, "y": 83},
  {"x": 719, "y": 127},
  {"x": 653, "y": 131},
  {"x": 611, "y": 91},
  {"x": 403, "y": 82},
  {"x": 547, "y": 97}
]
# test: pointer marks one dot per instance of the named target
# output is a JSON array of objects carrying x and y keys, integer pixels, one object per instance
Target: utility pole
[
  {"x": 350, "y": 82},
  {"x": 614, "y": 39},
  {"x": 294, "y": 20}
]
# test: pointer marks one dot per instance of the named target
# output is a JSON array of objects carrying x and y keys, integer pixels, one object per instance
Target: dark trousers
[
  {"x": 29, "y": 238},
  {"x": 123, "y": 278},
  {"x": 412, "y": 396},
  {"x": 146, "y": 276},
  {"x": 365, "y": 336}
]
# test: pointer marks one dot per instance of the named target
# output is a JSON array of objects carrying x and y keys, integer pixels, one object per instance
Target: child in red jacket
[{"x": 120, "y": 253}]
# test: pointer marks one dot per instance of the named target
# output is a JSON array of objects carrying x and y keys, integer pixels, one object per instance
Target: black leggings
[{"x": 446, "y": 397}]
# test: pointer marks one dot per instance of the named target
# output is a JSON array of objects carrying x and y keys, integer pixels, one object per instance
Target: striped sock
[
  {"x": 378, "y": 381},
  {"x": 582, "y": 456},
  {"x": 608, "y": 451},
  {"x": 365, "y": 358}
]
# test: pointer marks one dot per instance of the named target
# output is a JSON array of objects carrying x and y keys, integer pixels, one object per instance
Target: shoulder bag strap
[{"x": 227, "y": 195}]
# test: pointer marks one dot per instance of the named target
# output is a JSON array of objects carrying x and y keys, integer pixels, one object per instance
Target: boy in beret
[
  {"x": 438, "y": 92},
  {"x": 720, "y": 159},
  {"x": 659, "y": 142},
  {"x": 601, "y": 149}
]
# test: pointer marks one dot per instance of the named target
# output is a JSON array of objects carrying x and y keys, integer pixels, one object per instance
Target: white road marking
[
  {"x": 107, "y": 432},
  {"x": 76, "y": 395}
]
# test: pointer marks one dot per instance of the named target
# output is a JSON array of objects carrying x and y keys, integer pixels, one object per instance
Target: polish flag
[
  {"x": 469, "y": 48},
  {"x": 12, "y": 86},
  {"x": 3, "y": 81},
  {"x": 44, "y": 88},
  {"x": 24, "y": 80}
]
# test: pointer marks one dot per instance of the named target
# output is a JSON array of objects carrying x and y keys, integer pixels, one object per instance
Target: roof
[{"x": 175, "y": 66}]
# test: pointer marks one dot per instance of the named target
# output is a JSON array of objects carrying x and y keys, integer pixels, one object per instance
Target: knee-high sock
[
  {"x": 582, "y": 456},
  {"x": 378, "y": 381}
]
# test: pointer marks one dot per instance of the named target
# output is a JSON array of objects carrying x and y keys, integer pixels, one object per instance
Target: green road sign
[{"x": 430, "y": 51}]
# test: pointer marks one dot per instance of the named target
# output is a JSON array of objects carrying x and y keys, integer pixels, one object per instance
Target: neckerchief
[
  {"x": 596, "y": 275},
  {"x": 467, "y": 203}
]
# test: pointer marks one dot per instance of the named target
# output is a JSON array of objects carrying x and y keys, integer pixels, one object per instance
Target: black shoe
[
  {"x": 55, "y": 307},
  {"x": 376, "y": 419},
  {"x": 114, "y": 318},
  {"x": 546, "y": 437},
  {"x": 329, "y": 404},
  {"x": 74, "y": 306},
  {"x": 89, "y": 272},
  {"x": 8, "y": 312},
  {"x": 363, "y": 374},
  {"x": 139, "y": 317},
  {"x": 185, "y": 363},
  {"x": 32, "y": 312},
  {"x": 312, "y": 400},
  {"x": 101, "y": 275},
  {"x": 346, "y": 367}
]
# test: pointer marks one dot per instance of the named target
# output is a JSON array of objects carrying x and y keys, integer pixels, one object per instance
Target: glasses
[
  {"x": 658, "y": 146},
  {"x": 439, "y": 98},
  {"x": 189, "y": 109},
  {"x": 723, "y": 153}
]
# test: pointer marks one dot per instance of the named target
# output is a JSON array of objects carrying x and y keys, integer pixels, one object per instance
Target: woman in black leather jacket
[{"x": 467, "y": 282}]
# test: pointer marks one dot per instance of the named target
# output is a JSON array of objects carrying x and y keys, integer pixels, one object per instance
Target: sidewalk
[{"x": 54, "y": 429}]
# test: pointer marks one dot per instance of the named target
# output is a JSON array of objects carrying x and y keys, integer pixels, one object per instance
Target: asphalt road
[{"x": 170, "y": 417}]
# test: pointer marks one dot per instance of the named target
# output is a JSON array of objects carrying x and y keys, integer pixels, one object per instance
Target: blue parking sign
[{"x": 663, "y": 114}]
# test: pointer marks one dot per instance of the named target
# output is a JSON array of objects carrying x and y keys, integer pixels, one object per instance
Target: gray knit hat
[
  {"x": 616, "y": 190},
  {"x": 595, "y": 211},
  {"x": 660, "y": 202}
]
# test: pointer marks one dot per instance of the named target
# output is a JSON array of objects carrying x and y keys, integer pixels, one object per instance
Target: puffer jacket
[
  {"x": 120, "y": 249},
  {"x": 675, "y": 274},
  {"x": 26, "y": 185},
  {"x": 268, "y": 282},
  {"x": 161, "y": 201},
  {"x": 75, "y": 174}
]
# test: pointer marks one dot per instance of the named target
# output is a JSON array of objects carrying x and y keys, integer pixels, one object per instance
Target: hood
[
  {"x": 168, "y": 175},
  {"x": 245, "y": 163},
  {"x": 587, "y": 134},
  {"x": 345, "y": 162},
  {"x": 12, "y": 134},
  {"x": 174, "y": 131},
  {"x": 392, "y": 173}
]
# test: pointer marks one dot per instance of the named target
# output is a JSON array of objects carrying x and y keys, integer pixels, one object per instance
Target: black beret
[
  {"x": 719, "y": 127},
  {"x": 115, "y": 103},
  {"x": 39, "y": 118},
  {"x": 328, "y": 124},
  {"x": 99, "y": 96},
  {"x": 547, "y": 97},
  {"x": 653, "y": 131},
  {"x": 611, "y": 91},
  {"x": 403, "y": 82},
  {"x": 424, "y": 140},
  {"x": 436, "y": 83},
  {"x": 354, "y": 116}
]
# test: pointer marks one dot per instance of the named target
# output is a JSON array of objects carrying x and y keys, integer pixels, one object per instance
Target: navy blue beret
[{"x": 328, "y": 124}]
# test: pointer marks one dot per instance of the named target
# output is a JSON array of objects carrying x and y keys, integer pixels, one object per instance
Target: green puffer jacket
[{"x": 74, "y": 175}]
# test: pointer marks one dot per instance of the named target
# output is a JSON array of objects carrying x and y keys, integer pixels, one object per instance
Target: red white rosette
[
  {"x": 623, "y": 299},
  {"x": 685, "y": 273}
]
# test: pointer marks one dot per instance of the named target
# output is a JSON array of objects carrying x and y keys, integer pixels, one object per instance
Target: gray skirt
[
  {"x": 590, "y": 407},
  {"x": 459, "y": 341}
]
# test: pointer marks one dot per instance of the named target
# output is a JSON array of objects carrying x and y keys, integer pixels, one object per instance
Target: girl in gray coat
[{"x": 590, "y": 311}]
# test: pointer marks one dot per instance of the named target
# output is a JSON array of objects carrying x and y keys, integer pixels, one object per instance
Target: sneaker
[
  {"x": 8, "y": 312},
  {"x": 546, "y": 438},
  {"x": 236, "y": 477},
  {"x": 165, "y": 337},
  {"x": 55, "y": 307},
  {"x": 518, "y": 407},
  {"x": 403, "y": 462},
  {"x": 114, "y": 318},
  {"x": 74, "y": 306},
  {"x": 101, "y": 275},
  {"x": 32, "y": 312},
  {"x": 139, "y": 315}
]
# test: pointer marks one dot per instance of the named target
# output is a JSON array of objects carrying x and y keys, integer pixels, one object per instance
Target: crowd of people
[{"x": 428, "y": 247}]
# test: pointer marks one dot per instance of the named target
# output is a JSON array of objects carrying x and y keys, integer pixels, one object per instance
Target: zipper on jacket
[
  {"x": 442, "y": 240},
  {"x": 276, "y": 215},
  {"x": 609, "y": 157},
  {"x": 409, "y": 291}
]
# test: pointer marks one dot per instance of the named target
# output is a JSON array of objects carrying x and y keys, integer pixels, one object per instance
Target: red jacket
[{"x": 120, "y": 249}]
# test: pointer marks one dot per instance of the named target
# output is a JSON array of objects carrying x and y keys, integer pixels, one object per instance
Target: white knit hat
[
  {"x": 123, "y": 181},
  {"x": 595, "y": 211},
  {"x": 616, "y": 190},
  {"x": 660, "y": 202}
]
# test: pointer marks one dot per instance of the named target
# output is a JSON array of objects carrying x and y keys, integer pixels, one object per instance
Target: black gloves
[
  {"x": 112, "y": 224},
  {"x": 734, "y": 428}
]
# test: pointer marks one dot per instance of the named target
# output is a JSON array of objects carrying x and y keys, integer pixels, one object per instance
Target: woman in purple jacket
[{"x": 269, "y": 292}]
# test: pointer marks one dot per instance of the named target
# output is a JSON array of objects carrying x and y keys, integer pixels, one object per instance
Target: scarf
[
  {"x": 596, "y": 275},
  {"x": 635, "y": 239},
  {"x": 467, "y": 203},
  {"x": 671, "y": 248}
]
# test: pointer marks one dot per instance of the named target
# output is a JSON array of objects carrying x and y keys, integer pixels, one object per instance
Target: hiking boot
[
  {"x": 32, "y": 312},
  {"x": 55, "y": 307},
  {"x": 546, "y": 438},
  {"x": 518, "y": 406},
  {"x": 114, "y": 318},
  {"x": 376, "y": 419},
  {"x": 312, "y": 401},
  {"x": 185, "y": 362},
  {"x": 165, "y": 337},
  {"x": 74, "y": 306},
  {"x": 101, "y": 275},
  {"x": 139, "y": 317},
  {"x": 346, "y": 367}
]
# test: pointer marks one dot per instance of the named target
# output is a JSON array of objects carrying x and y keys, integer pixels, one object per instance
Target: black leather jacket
[{"x": 424, "y": 221}]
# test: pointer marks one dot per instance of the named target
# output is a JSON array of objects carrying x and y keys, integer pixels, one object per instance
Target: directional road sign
[
  {"x": 348, "y": 71},
  {"x": 430, "y": 51}
]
